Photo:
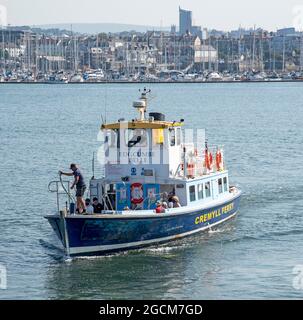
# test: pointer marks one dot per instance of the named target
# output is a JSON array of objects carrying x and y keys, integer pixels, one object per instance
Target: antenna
[
  {"x": 144, "y": 93},
  {"x": 145, "y": 90},
  {"x": 105, "y": 105},
  {"x": 93, "y": 165},
  {"x": 141, "y": 105}
]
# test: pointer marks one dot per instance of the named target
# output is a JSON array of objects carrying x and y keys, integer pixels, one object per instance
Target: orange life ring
[
  {"x": 191, "y": 169},
  {"x": 219, "y": 161},
  {"x": 137, "y": 193},
  {"x": 208, "y": 160}
]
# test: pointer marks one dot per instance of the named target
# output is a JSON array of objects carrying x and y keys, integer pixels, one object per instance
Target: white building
[
  {"x": 204, "y": 53},
  {"x": 15, "y": 52}
]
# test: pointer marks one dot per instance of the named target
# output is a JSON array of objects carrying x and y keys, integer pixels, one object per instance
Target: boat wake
[
  {"x": 162, "y": 249},
  {"x": 52, "y": 250},
  {"x": 215, "y": 231},
  {"x": 101, "y": 257}
]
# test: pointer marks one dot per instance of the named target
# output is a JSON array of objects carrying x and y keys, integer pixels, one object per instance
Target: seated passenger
[
  {"x": 164, "y": 197},
  {"x": 170, "y": 205},
  {"x": 159, "y": 208},
  {"x": 176, "y": 202},
  {"x": 164, "y": 205},
  {"x": 89, "y": 207},
  {"x": 98, "y": 207},
  {"x": 232, "y": 189},
  {"x": 170, "y": 197}
]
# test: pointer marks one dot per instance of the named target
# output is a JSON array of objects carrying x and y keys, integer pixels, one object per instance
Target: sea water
[{"x": 43, "y": 128}]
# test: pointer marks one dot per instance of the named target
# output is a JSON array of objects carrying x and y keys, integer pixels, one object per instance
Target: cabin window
[
  {"x": 178, "y": 136},
  {"x": 111, "y": 138},
  {"x": 220, "y": 186},
  {"x": 158, "y": 136},
  {"x": 225, "y": 184},
  {"x": 172, "y": 137},
  {"x": 136, "y": 137},
  {"x": 200, "y": 191},
  {"x": 192, "y": 193},
  {"x": 207, "y": 189}
]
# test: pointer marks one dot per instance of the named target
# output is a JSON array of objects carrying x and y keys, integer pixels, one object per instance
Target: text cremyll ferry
[{"x": 156, "y": 188}]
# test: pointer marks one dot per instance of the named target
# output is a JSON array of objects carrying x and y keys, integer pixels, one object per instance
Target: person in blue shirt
[{"x": 80, "y": 185}]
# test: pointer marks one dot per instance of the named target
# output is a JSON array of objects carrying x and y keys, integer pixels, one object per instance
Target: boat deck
[{"x": 235, "y": 193}]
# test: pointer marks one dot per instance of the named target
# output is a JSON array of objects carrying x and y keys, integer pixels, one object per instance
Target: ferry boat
[{"x": 147, "y": 167}]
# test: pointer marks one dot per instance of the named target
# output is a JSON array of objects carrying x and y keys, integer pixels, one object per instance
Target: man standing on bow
[{"x": 79, "y": 183}]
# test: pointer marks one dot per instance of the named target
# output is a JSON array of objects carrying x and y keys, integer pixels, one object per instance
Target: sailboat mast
[
  {"x": 261, "y": 51},
  {"x": 301, "y": 51},
  {"x": 254, "y": 48},
  {"x": 283, "y": 58}
]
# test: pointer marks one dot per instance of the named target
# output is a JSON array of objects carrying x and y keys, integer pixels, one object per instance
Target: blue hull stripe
[
  {"x": 124, "y": 246},
  {"x": 108, "y": 233}
]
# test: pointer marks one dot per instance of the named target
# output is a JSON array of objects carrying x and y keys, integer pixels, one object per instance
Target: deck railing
[
  {"x": 61, "y": 188},
  {"x": 197, "y": 165}
]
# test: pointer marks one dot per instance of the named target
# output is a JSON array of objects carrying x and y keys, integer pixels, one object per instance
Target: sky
[{"x": 215, "y": 14}]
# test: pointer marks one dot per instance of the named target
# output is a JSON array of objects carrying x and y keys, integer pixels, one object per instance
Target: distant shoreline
[{"x": 148, "y": 82}]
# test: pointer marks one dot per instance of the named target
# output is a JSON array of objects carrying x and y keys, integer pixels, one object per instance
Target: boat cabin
[{"x": 146, "y": 160}]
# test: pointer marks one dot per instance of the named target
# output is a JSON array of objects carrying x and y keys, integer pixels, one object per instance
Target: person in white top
[{"x": 89, "y": 207}]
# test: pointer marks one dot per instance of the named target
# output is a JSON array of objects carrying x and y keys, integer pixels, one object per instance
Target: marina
[
  {"x": 193, "y": 79},
  {"x": 189, "y": 53}
]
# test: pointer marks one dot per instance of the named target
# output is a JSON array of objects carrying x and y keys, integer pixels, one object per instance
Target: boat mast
[
  {"x": 261, "y": 51},
  {"x": 36, "y": 56},
  {"x": 217, "y": 59},
  {"x": 301, "y": 52},
  {"x": 274, "y": 58},
  {"x": 209, "y": 58},
  {"x": 283, "y": 59},
  {"x": 254, "y": 48}
]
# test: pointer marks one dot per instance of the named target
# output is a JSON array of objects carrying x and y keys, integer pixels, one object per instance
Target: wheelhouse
[{"x": 147, "y": 160}]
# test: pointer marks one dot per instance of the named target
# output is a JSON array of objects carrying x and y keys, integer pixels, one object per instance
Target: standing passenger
[{"x": 79, "y": 184}]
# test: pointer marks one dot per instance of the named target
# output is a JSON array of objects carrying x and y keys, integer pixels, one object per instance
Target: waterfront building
[
  {"x": 185, "y": 21},
  {"x": 196, "y": 31},
  {"x": 205, "y": 53},
  {"x": 139, "y": 54},
  {"x": 286, "y": 31},
  {"x": 173, "y": 29}
]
